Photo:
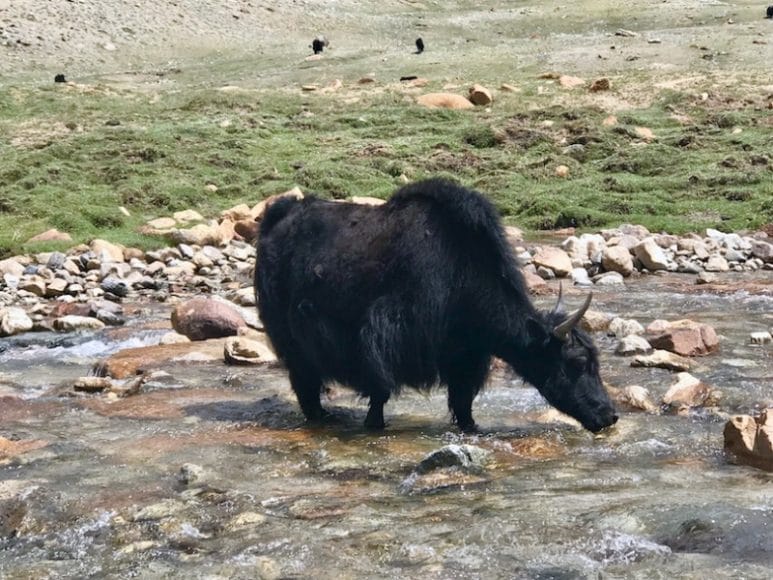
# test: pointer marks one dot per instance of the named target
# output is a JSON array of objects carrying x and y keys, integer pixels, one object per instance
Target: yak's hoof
[
  {"x": 322, "y": 418},
  {"x": 469, "y": 428},
  {"x": 375, "y": 425}
]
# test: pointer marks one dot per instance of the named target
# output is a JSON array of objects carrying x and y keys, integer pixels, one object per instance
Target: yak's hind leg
[
  {"x": 307, "y": 386},
  {"x": 464, "y": 374}
]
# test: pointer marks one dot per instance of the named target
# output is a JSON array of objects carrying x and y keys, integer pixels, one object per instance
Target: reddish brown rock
[
  {"x": 749, "y": 441},
  {"x": 203, "y": 318},
  {"x": 247, "y": 229},
  {"x": 133, "y": 361},
  {"x": 601, "y": 84},
  {"x": 687, "y": 338}
]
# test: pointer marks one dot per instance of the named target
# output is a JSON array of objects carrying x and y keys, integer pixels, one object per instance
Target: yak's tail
[{"x": 469, "y": 211}]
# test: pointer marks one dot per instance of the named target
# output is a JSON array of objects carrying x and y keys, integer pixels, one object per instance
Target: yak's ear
[{"x": 537, "y": 331}]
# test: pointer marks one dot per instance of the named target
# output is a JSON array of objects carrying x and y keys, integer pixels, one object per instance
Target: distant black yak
[
  {"x": 769, "y": 12},
  {"x": 419, "y": 291},
  {"x": 419, "y": 46},
  {"x": 319, "y": 44}
]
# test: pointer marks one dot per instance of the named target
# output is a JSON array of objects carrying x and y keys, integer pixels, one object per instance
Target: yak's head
[{"x": 567, "y": 369}]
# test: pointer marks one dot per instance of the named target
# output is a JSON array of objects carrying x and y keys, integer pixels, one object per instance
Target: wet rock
[
  {"x": 651, "y": 255},
  {"x": 468, "y": 457},
  {"x": 617, "y": 259},
  {"x": 245, "y": 350},
  {"x": 12, "y": 513},
  {"x": 157, "y": 511},
  {"x": 633, "y": 344},
  {"x": 554, "y": 259},
  {"x": 687, "y": 391},
  {"x": 315, "y": 509},
  {"x": 56, "y": 287},
  {"x": 203, "y": 318},
  {"x": 132, "y": 361},
  {"x": 761, "y": 338},
  {"x": 636, "y": 397},
  {"x": 173, "y": 338},
  {"x": 595, "y": 321},
  {"x": 609, "y": 279},
  {"x": 664, "y": 360},
  {"x": 92, "y": 384},
  {"x": 687, "y": 338},
  {"x": 72, "y": 323},
  {"x": 444, "y": 101},
  {"x": 622, "y": 327},
  {"x": 11, "y": 449},
  {"x": 480, "y": 95},
  {"x": 749, "y": 440},
  {"x": 246, "y": 520},
  {"x": 14, "y": 320},
  {"x": 191, "y": 473}
]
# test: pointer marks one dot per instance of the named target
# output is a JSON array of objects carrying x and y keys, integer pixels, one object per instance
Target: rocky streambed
[{"x": 121, "y": 456}]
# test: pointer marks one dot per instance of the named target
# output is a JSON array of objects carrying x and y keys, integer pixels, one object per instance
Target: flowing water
[{"x": 98, "y": 490}]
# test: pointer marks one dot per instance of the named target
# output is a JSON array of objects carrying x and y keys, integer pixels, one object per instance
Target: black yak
[
  {"x": 419, "y": 46},
  {"x": 421, "y": 290},
  {"x": 769, "y": 12}
]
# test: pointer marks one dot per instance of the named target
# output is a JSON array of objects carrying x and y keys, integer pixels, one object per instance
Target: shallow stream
[{"x": 99, "y": 491}]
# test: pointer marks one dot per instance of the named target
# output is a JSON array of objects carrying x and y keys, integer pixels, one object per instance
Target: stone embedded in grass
[
  {"x": 52, "y": 235},
  {"x": 444, "y": 101},
  {"x": 480, "y": 95},
  {"x": 601, "y": 84}
]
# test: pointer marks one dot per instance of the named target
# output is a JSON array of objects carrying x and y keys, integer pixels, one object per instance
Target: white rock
[
  {"x": 761, "y": 338},
  {"x": 633, "y": 344},
  {"x": 14, "y": 320},
  {"x": 621, "y": 327}
]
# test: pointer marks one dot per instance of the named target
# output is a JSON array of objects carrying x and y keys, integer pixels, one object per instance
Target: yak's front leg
[{"x": 375, "y": 418}]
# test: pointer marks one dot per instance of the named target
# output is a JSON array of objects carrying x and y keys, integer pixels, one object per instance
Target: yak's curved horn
[
  {"x": 560, "y": 302},
  {"x": 562, "y": 330}
]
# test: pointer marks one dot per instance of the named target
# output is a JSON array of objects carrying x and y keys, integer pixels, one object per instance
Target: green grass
[{"x": 69, "y": 159}]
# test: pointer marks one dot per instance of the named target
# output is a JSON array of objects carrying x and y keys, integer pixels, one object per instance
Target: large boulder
[
  {"x": 651, "y": 255},
  {"x": 203, "y": 318},
  {"x": 617, "y": 259},
  {"x": 749, "y": 440},
  {"x": 687, "y": 338},
  {"x": 554, "y": 259}
]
